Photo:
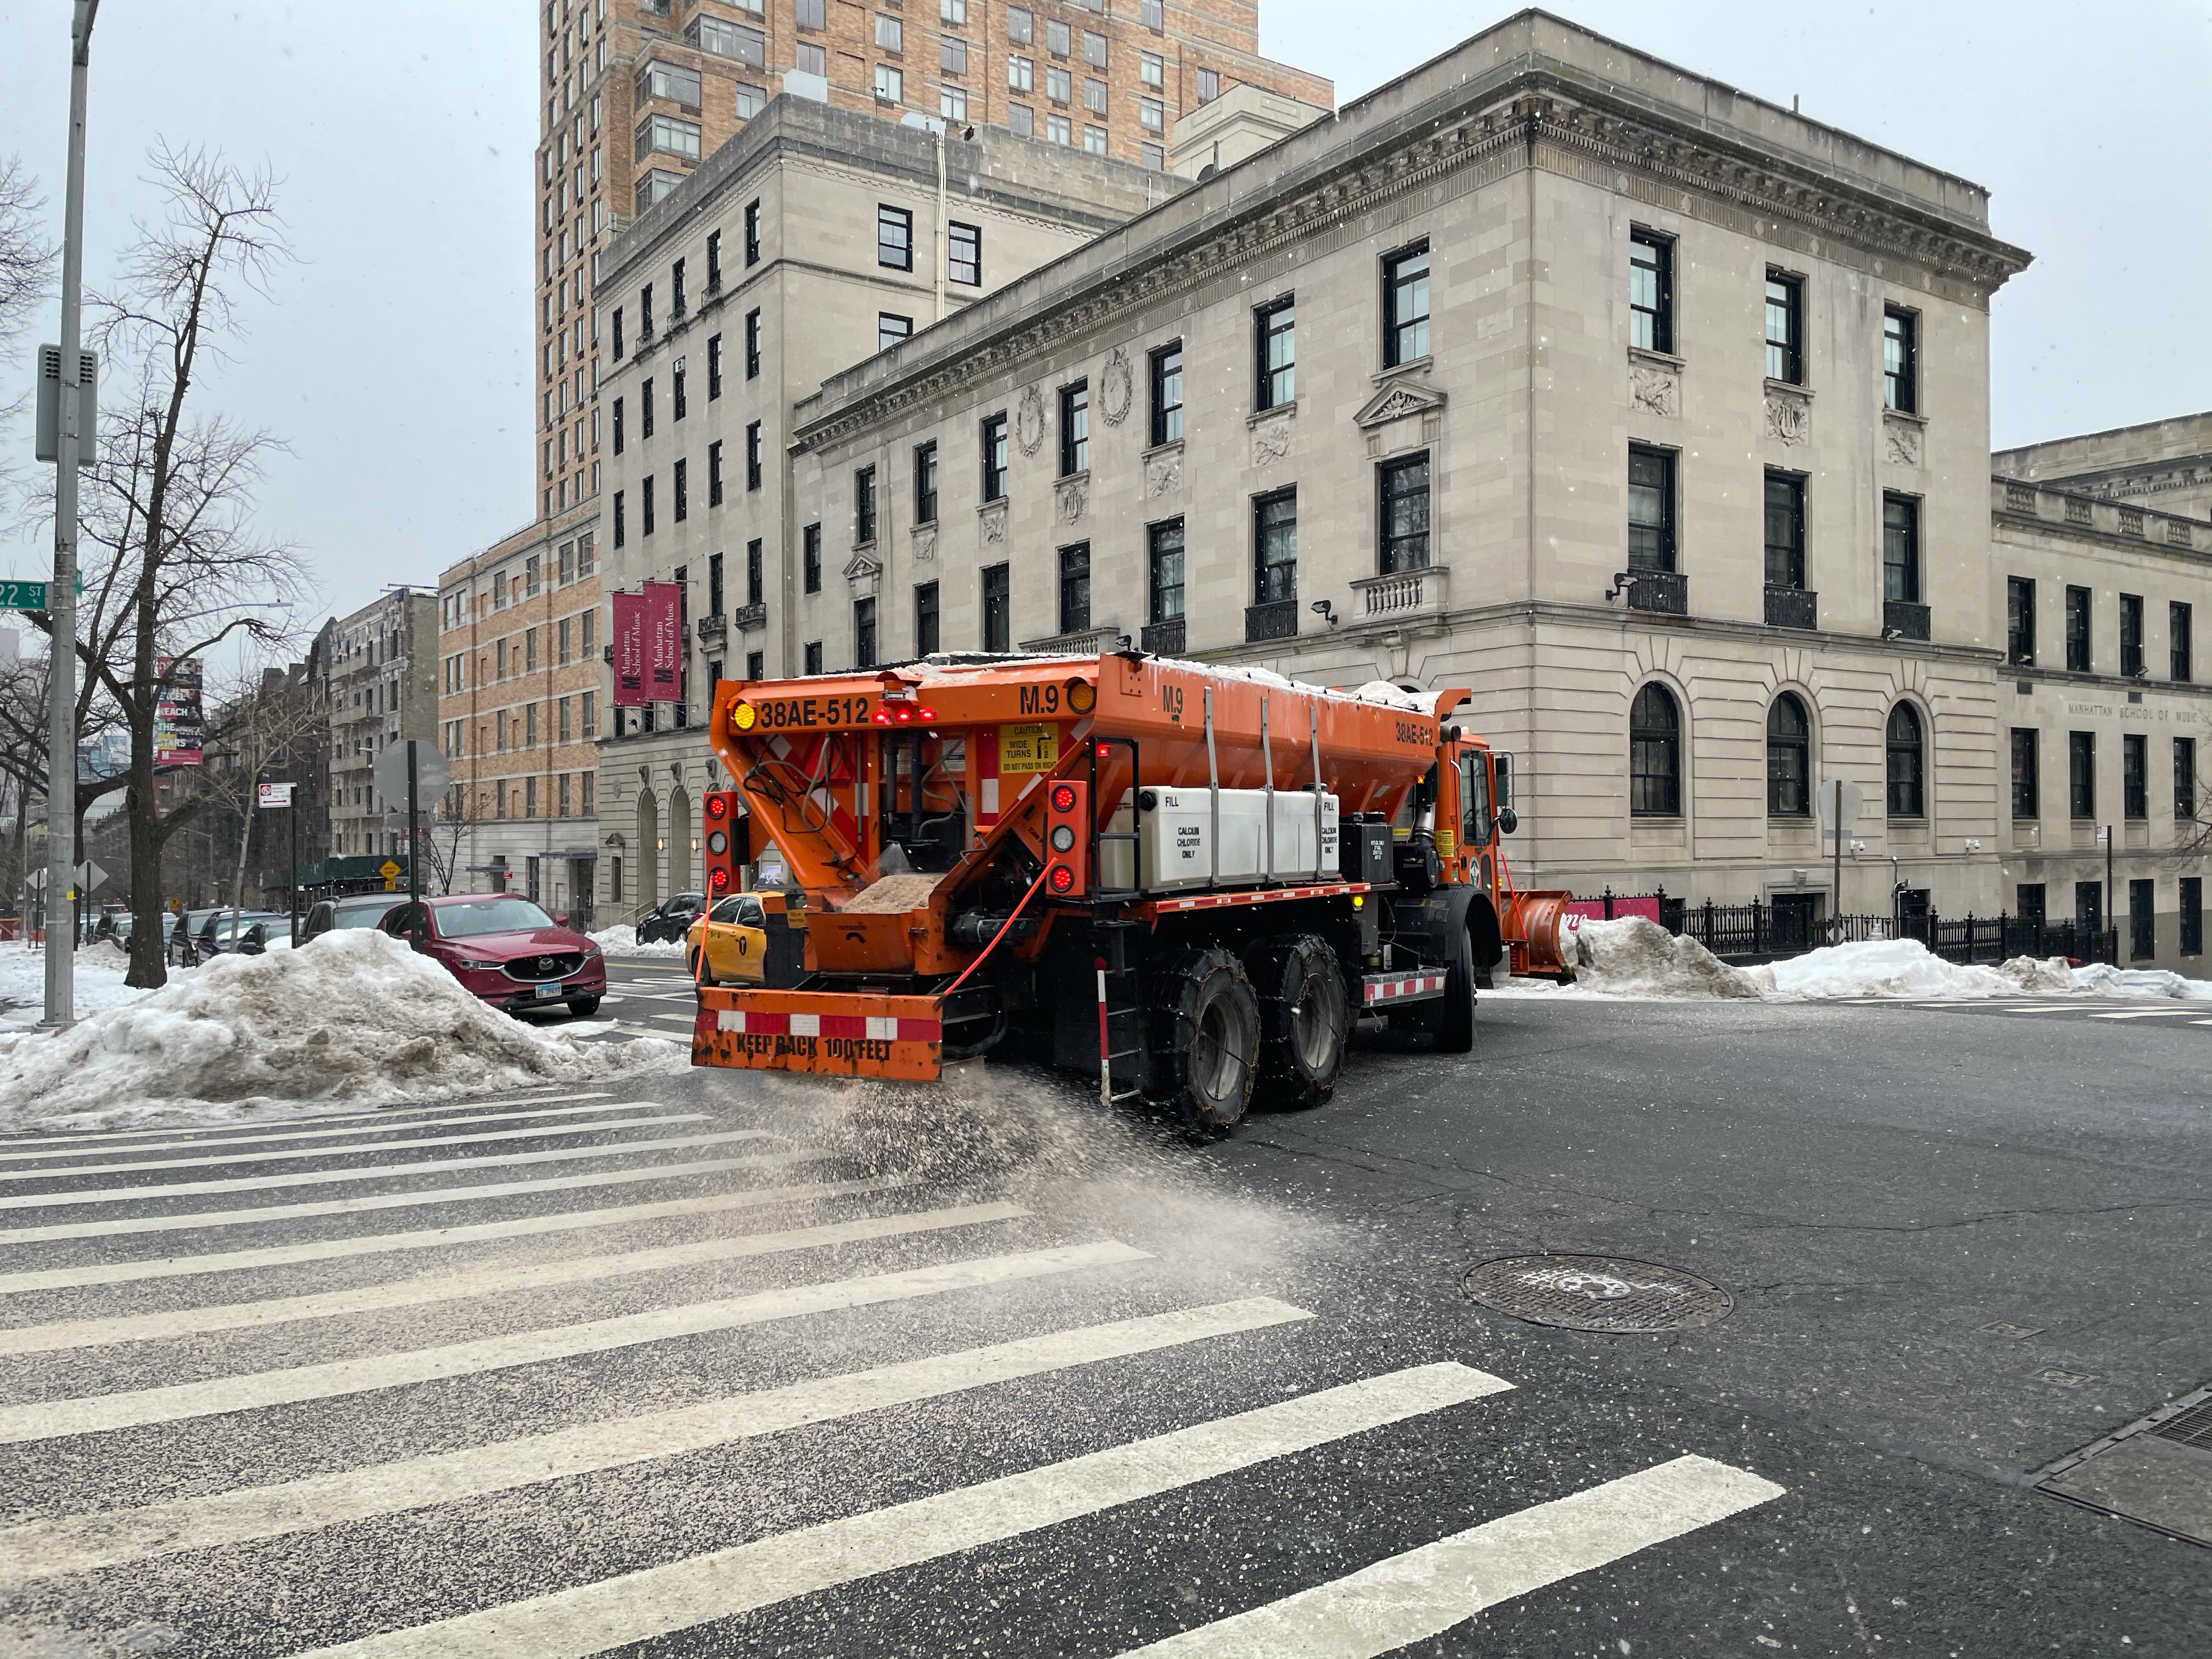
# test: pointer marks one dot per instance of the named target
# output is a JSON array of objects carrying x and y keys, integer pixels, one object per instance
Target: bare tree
[
  {"x": 26, "y": 268},
  {"x": 175, "y": 566}
]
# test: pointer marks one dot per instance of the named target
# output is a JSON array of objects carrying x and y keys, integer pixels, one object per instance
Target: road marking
[
  {"x": 2148, "y": 1013},
  {"x": 490, "y": 1279},
  {"x": 1425, "y": 1592},
  {"x": 235, "y": 1139},
  {"x": 320, "y": 1177},
  {"x": 169, "y": 1223},
  {"x": 92, "y": 1414},
  {"x": 535, "y": 1133},
  {"x": 104, "y": 1135},
  {"x": 327, "y": 1249},
  {"x": 42, "y": 1549},
  {"x": 589, "y": 1619},
  {"x": 681, "y": 1019}
]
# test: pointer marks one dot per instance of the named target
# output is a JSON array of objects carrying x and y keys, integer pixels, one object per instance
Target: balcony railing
[
  {"x": 1902, "y": 620},
  {"x": 712, "y": 628},
  {"x": 1404, "y": 594},
  {"x": 1165, "y": 639},
  {"x": 1081, "y": 642},
  {"x": 1792, "y": 607},
  {"x": 1278, "y": 620},
  {"x": 1664, "y": 592},
  {"x": 751, "y": 615}
]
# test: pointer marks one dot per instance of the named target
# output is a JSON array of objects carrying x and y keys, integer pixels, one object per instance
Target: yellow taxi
[{"x": 735, "y": 933}]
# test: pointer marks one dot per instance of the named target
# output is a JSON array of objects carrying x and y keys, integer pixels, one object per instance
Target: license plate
[{"x": 552, "y": 990}]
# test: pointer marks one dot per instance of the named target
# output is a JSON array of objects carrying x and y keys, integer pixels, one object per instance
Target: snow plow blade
[{"x": 834, "y": 1033}]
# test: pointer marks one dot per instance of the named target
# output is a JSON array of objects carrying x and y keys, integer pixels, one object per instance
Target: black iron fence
[{"x": 1760, "y": 932}]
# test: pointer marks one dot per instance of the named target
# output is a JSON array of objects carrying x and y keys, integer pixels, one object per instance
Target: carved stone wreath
[
  {"x": 1029, "y": 420},
  {"x": 925, "y": 542},
  {"x": 1164, "y": 471},
  {"x": 1903, "y": 447},
  {"x": 995, "y": 524},
  {"x": 1116, "y": 388}
]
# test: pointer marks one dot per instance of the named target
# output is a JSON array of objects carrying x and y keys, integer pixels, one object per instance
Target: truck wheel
[
  {"x": 1454, "y": 1026},
  {"x": 1210, "y": 1037},
  {"x": 1304, "y": 1018}
]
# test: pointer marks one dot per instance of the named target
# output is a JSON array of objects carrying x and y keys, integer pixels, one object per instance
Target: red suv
[{"x": 504, "y": 950}]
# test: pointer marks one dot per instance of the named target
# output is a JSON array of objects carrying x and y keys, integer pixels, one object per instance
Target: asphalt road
[{"x": 705, "y": 1364}]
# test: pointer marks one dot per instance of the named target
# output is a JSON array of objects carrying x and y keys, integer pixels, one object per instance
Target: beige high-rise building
[{"x": 383, "y": 686}]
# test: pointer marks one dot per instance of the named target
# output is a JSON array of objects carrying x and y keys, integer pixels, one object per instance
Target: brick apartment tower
[{"x": 639, "y": 92}]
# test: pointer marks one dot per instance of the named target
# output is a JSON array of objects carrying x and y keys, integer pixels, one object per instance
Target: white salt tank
[{"x": 1176, "y": 839}]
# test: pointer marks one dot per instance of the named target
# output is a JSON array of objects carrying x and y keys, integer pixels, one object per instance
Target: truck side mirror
[
  {"x": 1508, "y": 820},
  {"x": 1504, "y": 766}
]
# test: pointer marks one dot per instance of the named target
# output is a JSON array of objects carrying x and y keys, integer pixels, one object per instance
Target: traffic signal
[
  {"x": 1067, "y": 839},
  {"x": 724, "y": 850}
]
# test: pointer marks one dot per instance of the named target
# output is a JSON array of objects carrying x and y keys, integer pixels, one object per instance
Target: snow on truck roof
[{"x": 1380, "y": 693}]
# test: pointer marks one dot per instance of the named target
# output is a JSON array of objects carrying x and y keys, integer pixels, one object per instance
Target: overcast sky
[{"x": 395, "y": 357}]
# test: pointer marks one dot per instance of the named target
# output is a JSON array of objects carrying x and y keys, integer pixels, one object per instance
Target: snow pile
[
  {"x": 1638, "y": 958},
  {"x": 1883, "y": 967},
  {"x": 355, "y": 1015},
  {"x": 2141, "y": 982},
  {"x": 98, "y": 977},
  {"x": 2039, "y": 974},
  {"x": 623, "y": 941}
]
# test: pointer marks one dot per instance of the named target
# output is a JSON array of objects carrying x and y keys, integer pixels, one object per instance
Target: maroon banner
[
  {"x": 664, "y": 640},
  {"x": 630, "y": 651}
]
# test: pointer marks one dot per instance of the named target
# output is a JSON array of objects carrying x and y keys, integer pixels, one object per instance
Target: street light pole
[{"x": 61, "y": 600}]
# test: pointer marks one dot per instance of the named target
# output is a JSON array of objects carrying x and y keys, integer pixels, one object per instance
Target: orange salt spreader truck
[{"x": 1190, "y": 882}]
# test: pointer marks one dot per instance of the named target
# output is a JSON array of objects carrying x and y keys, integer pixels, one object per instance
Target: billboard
[
  {"x": 664, "y": 640},
  {"x": 177, "y": 740},
  {"x": 629, "y": 650}
]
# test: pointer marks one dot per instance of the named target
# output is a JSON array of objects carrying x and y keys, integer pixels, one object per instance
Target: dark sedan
[
  {"x": 506, "y": 951},
  {"x": 668, "y": 922}
]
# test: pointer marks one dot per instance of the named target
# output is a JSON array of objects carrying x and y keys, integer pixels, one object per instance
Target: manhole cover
[{"x": 1596, "y": 1293}]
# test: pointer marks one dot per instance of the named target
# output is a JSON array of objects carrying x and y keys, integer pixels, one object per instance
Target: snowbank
[
  {"x": 354, "y": 1016},
  {"x": 1638, "y": 958},
  {"x": 1883, "y": 967},
  {"x": 100, "y": 970},
  {"x": 2141, "y": 982},
  {"x": 623, "y": 941}
]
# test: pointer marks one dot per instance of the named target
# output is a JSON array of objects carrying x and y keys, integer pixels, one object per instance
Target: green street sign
[{"x": 22, "y": 596}]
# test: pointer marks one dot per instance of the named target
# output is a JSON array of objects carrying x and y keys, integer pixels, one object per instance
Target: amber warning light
[{"x": 742, "y": 716}]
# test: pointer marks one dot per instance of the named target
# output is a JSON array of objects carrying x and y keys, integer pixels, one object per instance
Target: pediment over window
[{"x": 1397, "y": 401}]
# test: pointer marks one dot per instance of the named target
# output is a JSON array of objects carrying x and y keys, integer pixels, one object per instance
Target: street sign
[
  {"x": 390, "y": 871},
  {"x": 275, "y": 794},
  {"x": 1837, "y": 803},
  {"x": 90, "y": 875},
  {"x": 433, "y": 771},
  {"x": 2104, "y": 835}
]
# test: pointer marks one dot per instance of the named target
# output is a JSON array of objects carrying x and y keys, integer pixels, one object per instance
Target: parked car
[
  {"x": 248, "y": 931},
  {"x": 504, "y": 950},
  {"x": 671, "y": 920},
  {"x": 735, "y": 938},
  {"x": 357, "y": 910}
]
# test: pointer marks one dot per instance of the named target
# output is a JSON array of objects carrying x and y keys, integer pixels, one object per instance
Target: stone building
[
  {"x": 1653, "y": 413},
  {"x": 815, "y": 239},
  {"x": 2102, "y": 547},
  {"x": 383, "y": 685},
  {"x": 518, "y": 708}
]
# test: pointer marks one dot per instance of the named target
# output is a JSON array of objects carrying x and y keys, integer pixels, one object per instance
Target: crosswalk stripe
[
  {"x": 536, "y": 1131},
  {"x": 588, "y": 1619},
  {"x": 323, "y": 1177},
  {"x": 267, "y": 1213},
  {"x": 328, "y": 1249},
  {"x": 2147, "y": 1013},
  {"x": 235, "y": 1139},
  {"x": 91, "y": 1413},
  {"x": 1425, "y": 1592},
  {"x": 96, "y": 1137},
  {"x": 42, "y": 1549},
  {"x": 493, "y": 1279}
]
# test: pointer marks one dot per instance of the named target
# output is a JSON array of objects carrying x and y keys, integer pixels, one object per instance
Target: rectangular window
[
  {"x": 994, "y": 458},
  {"x": 618, "y": 426},
  {"x": 1406, "y": 306},
  {"x": 2082, "y": 775},
  {"x": 677, "y": 406},
  {"x": 2077, "y": 630},
  {"x": 890, "y": 84},
  {"x": 756, "y": 664},
  {"x": 811, "y": 656},
  {"x": 591, "y": 727},
  {"x": 752, "y": 238},
  {"x": 1075, "y": 588},
  {"x": 645, "y": 407},
  {"x": 1785, "y": 530},
  {"x": 1152, "y": 115},
  {"x": 1057, "y": 130},
  {"x": 1056, "y": 38},
  {"x": 753, "y": 457},
  {"x": 1167, "y": 394},
  {"x": 714, "y": 366},
  {"x": 714, "y": 476},
  {"x": 889, "y": 33},
  {"x": 925, "y": 483},
  {"x": 1094, "y": 94},
  {"x": 714, "y": 584},
  {"x": 678, "y": 85},
  {"x": 714, "y": 261},
  {"x": 2135, "y": 775},
  {"x": 2179, "y": 619},
  {"x": 2142, "y": 919},
  {"x": 813, "y": 58},
  {"x": 2185, "y": 777},
  {"x": 925, "y": 619},
  {"x": 998, "y": 609},
  {"x": 676, "y": 291},
  {"x": 1901, "y": 360},
  {"x": 1094, "y": 141},
  {"x": 752, "y": 344},
  {"x": 679, "y": 491},
  {"x": 756, "y": 576},
  {"x": 1153, "y": 158},
  {"x": 1164, "y": 570},
  {"x": 1021, "y": 120},
  {"x": 2132, "y": 635},
  {"x": 864, "y": 506},
  {"x": 1402, "y": 513},
  {"x": 964, "y": 254},
  {"x": 891, "y": 329},
  {"x": 750, "y": 100},
  {"x": 894, "y": 238},
  {"x": 951, "y": 55},
  {"x": 810, "y": 557},
  {"x": 645, "y": 506},
  {"x": 1276, "y": 332},
  {"x": 1021, "y": 29},
  {"x": 1094, "y": 47},
  {"x": 1651, "y": 290},
  {"x": 1151, "y": 69},
  {"x": 2191, "y": 907},
  {"x": 1021, "y": 74},
  {"x": 1074, "y": 429},
  {"x": 952, "y": 103},
  {"x": 1900, "y": 548},
  {"x": 863, "y": 632},
  {"x": 1785, "y": 328},
  {"x": 2020, "y": 620},
  {"x": 1059, "y": 84},
  {"x": 1651, "y": 508},
  {"x": 1275, "y": 547},
  {"x": 2026, "y": 772},
  {"x": 668, "y": 136}
]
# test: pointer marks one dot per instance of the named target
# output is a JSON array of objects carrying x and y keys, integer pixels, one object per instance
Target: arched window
[
  {"x": 1655, "y": 755},
  {"x": 1907, "y": 763},
  {"x": 1788, "y": 759}
]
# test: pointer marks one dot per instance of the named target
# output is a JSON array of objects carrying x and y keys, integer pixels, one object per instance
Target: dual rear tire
[{"x": 1273, "y": 1025}]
